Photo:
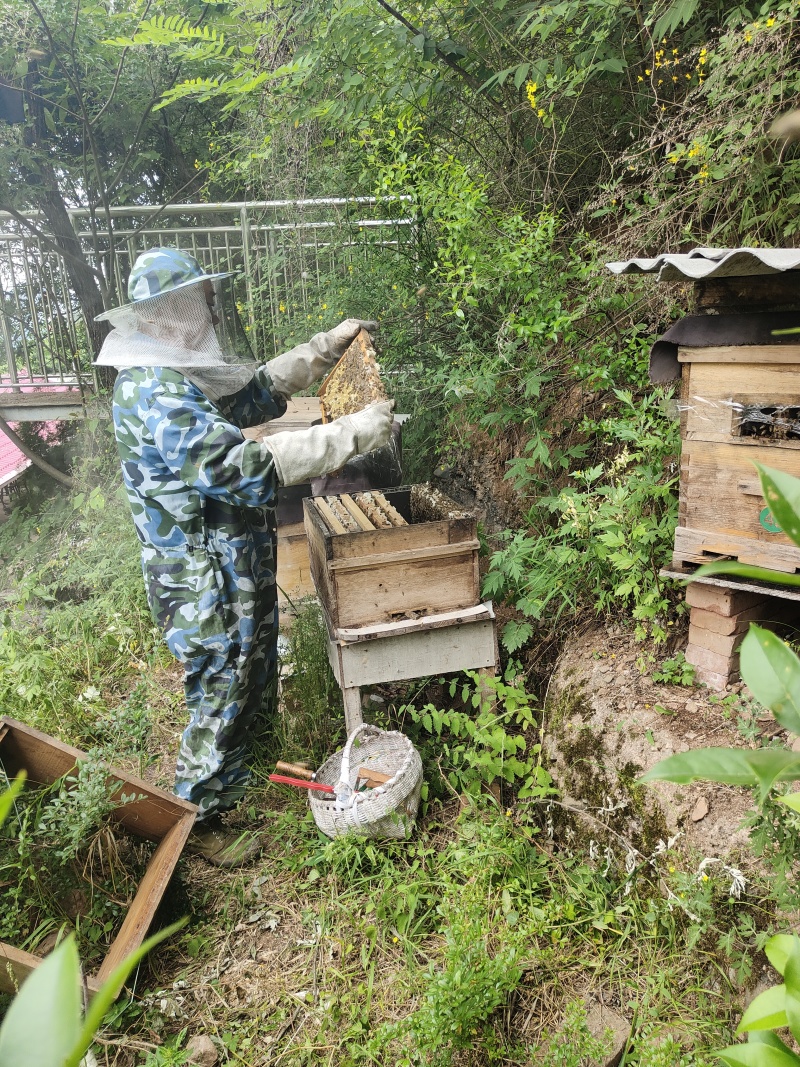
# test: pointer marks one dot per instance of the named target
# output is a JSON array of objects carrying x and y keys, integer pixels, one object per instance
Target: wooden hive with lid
[
  {"x": 383, "y": 557},
  {"x": 739, "y": 405}
]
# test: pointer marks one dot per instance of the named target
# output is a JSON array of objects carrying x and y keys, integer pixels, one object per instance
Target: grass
[{"x": 474, "y": 943}]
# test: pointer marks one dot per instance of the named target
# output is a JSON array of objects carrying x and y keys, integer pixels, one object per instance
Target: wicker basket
[{"x": 388, "y": 810}]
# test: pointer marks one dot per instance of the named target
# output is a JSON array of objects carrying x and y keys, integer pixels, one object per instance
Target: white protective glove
[
  {"x": 306, "y": 454},
  {"x": 300, "y": 367}
]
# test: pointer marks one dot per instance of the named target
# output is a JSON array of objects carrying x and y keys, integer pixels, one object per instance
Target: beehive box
[
  {"x": 739, "y": 406},
  {"x": 368, "y": 575}
]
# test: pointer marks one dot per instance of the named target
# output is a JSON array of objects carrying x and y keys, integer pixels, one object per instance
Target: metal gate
[{"x": 288, "y": 256}]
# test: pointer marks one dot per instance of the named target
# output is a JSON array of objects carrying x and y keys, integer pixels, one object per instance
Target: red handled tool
[{"x": 301, "y": 783}]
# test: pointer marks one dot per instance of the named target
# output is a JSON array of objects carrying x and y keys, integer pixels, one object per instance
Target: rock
[
  {"x": 599, "y": 1018},
  {"x": 692, "y": 707},
  {"x": 700, "y": 810},
  {"x": 796, "y": 745},
  {"x": 202, "y": 1051}
]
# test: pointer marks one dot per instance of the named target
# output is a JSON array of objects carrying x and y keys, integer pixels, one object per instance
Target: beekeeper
[{"x": 203, "y": 501}]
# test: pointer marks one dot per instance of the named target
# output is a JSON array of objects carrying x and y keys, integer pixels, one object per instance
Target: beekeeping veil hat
[{"x": 169, "y": 322}]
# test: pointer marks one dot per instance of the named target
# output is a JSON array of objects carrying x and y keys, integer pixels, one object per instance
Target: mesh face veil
[{"x": 175, "y": 330}]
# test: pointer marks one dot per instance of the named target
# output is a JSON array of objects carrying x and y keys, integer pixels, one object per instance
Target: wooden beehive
[
  {"x": 155, "y": 814},
  {"x": 365, "y": 575},
  {"x": 740, "y": 405}
]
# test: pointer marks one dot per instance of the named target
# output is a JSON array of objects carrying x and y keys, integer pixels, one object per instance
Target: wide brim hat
[{"x": 156, "y": 272}]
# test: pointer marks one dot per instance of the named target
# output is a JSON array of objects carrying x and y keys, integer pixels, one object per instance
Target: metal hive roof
[{"x": 703, "y": 263}]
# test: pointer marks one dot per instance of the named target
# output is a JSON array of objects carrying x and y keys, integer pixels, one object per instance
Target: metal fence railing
[{"x": 287, "y": 254}]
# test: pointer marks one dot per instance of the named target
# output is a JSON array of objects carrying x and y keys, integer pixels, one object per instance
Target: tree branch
[
  {"x": 471, "y": 81},
  {"x": 48, "y": 241}
]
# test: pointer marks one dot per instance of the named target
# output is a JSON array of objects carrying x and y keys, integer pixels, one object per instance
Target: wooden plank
[
  {"x": 16, "y": 965},
  {"x": 392, "y": 539},
  {"x": 326, "y": 512},
  {"x": 684, "y": 574},
  {"x": 415, "y": 655},
  {"x": 713, "y": 402},
  {"x": 711, "y": 474},
  {"x": 45, "y": 759},
  {"x": 411, "y": 555},
  {"x": 741, "y": 354},
  {"x": 425, "y": 622},
  {"x": 293, "y": 574},
  {"x": 353, "y": 718},
  {"x": 703, "y": 546},
  {"x": 319, "y": 549},
  {"x": 356, "y": 512},
  {"x": 148, "y": 896},
  {"x": 430, "y": 586}
]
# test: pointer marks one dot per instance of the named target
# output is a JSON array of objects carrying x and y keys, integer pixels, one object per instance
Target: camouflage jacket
[{"x": 198, "y": 491}]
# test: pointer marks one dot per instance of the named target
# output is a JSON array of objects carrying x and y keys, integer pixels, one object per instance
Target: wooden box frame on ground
[
  {"x": 156, "y": 815},
  {"x": 383, "y": 575}
]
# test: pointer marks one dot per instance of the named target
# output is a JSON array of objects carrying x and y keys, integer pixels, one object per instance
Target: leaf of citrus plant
[
  {"x": 792, "y": 980},
  {"x": 779, "y": 948},
  {"x": 731, "y": 766},
  {"x": 766, "y": 1012},
  {"x": 782, "y": 493},
  {"x": 43, "y": 1023},
  {"x": 756, "y": 1054},
  {"x": 772, "y": 671},
  {"x": 7, "y": 797},
  {"x": 746, "y": 570},
  {"x": 108, "y": 992}
]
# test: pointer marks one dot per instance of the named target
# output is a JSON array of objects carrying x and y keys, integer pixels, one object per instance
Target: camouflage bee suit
[{"x": 203, "y": 501}]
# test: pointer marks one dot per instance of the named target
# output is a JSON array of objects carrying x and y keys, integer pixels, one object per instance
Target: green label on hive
[{"x": 767, "y": 520}]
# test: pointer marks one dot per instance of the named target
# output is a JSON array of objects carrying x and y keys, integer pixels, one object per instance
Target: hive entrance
[{"x": 776, "y": 421}]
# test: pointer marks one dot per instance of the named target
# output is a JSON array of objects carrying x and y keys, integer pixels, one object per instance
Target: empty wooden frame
[{"x": 156, "y": 815}]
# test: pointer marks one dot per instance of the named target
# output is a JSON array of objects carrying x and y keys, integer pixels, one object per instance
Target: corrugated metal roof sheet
[{"x": 703, "y": 263}]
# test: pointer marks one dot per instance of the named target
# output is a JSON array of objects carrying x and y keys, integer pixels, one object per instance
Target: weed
[
  {"x": 490, "y": 740},
  {"x": 674, "y": 671}
]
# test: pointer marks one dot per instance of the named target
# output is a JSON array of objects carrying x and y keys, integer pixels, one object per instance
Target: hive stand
[
  {"x": 410, "y": 648},
  {"x": 721, "y": 613}
]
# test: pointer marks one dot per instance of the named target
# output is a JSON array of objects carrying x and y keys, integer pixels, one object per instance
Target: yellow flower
[
  {"x": 770, "y": 21},
  {"x": 648, "y": 72},
  {"x": 705, "y": 877},
  {"x": 641, "y": 79},
  {"x": 540, "y": 113},
  {"x": 281, "y": 307},
  {"x": 324, "y": 307}
]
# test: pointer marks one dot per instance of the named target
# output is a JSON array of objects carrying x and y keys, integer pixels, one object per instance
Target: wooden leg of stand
[
  {"x": 487, "y": 693},
  {"x": 352, "y": 708}
]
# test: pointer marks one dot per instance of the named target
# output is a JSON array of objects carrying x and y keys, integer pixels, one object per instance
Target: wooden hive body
[
  {"x": 383, "y": 575},
  {"x": 724, "y": 392}
]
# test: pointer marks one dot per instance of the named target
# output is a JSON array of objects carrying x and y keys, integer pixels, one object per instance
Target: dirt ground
[{"x": 609, "y": 722}]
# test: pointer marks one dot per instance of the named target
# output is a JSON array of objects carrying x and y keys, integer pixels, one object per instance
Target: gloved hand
[
  {"x": 300, "y": 367},
  {"x": 373, "y": 425},
  {"x": 308, "y": 454}
]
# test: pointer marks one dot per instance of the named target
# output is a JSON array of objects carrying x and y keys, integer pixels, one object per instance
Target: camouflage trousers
[{"x": 217, "y": 606}]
